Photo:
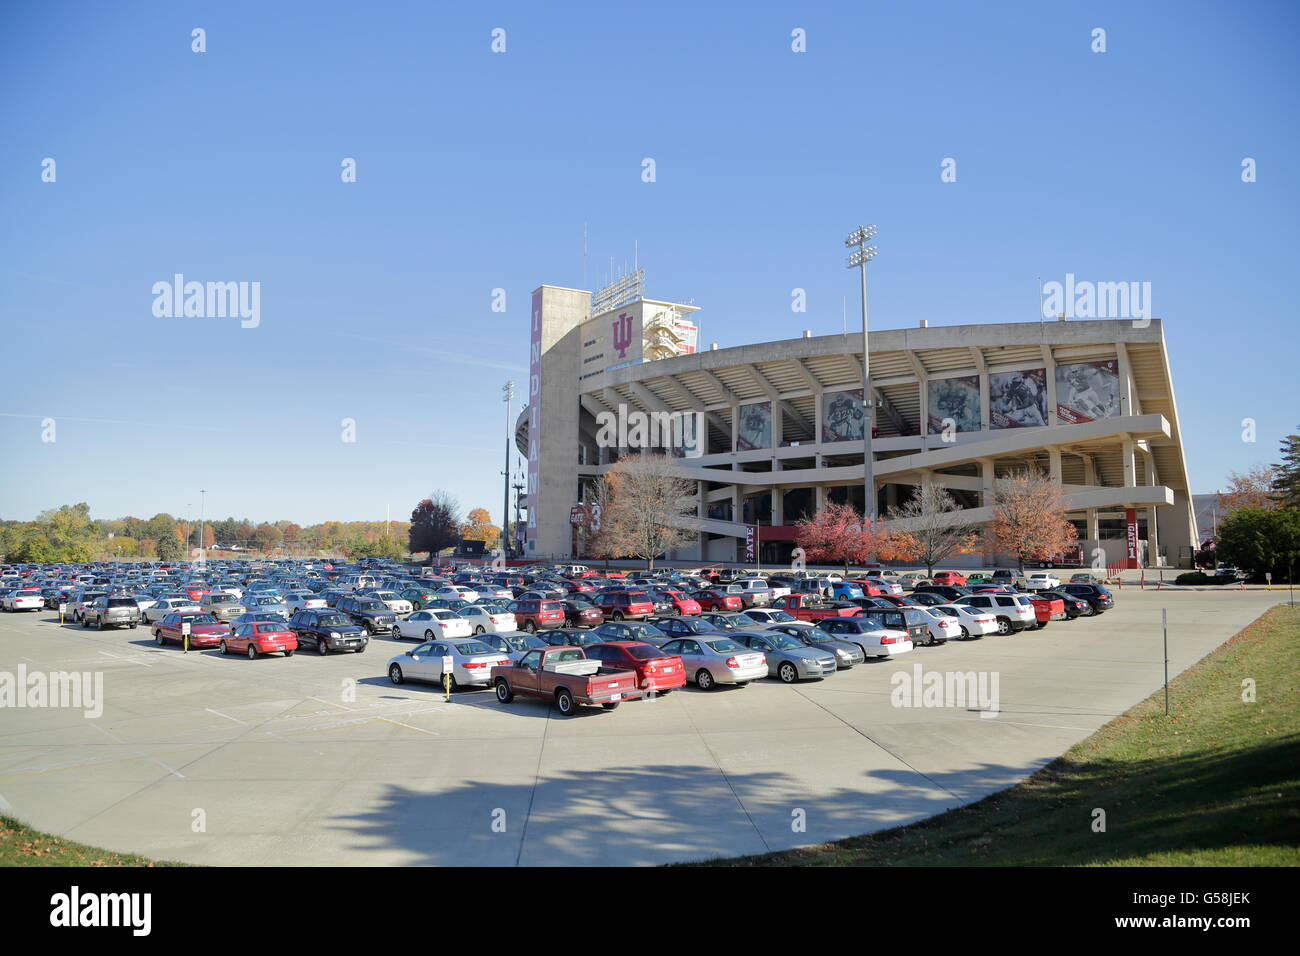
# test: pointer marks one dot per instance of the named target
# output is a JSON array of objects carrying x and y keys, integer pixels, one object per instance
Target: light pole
[
  {"x": 508, "y": 391},
  {"x": 203, "y": 557},
  {"x": 860, "y": 257}
]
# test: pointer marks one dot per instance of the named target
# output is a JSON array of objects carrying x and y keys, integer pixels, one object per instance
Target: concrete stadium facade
[{"x": 1089, "y": 402}]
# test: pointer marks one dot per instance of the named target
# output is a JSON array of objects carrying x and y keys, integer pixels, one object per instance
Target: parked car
[
  {"x": 262, "y": 637},
  {"x": 371, "y": 613},
  {"x": 942, "y": 627},
  {"x": 971, "y": 622},
  {"x": 813, "y": 607},
  {"x": 717, "y": 659},
  {"x": 581, "y": 613},
  {"x": 765, "y": 617},
  {"x": 23, "y": 599},
  {"x": 328, "y": 630},
  {"x": 1013, "y": 612},
  {"x": 949, "y": 578},
  {"x": 267, "y": 602},
  {"x": 948, "y": 592},
  {"x": 570, "y": 637},
  {"x": 419, "y": 595},
  {"x": 111, "y": 611},
  {"x": 870, "y": 635},
  {"x": 620, "y": 605},
  {"x": 472, "y": 662},
  {"x": 789, "y": 660},
  {"x": 847, "y": 654},
  {"x": 679, "y": 601},
  {"x": 205, "y": 630},
  {"x": 727, "y": 621},
  {"x": 428, "y": 625},
  {"x": 655, "y": 670},
  {"x": 718, "y": 599},
  {"x": 224, "y": 607},
  {"x": 513, "y": 644},
  {"x": 683, "y": 626},
  {"x": 566, "y": 676},
  {"x": 1098, "y": 596},
  {"x": 1047, "y": 608},
  {"x": 488, "y": 617},
  {"x": 1073, "y": 605},
  {"x": 754, "y": 592},
  {"x": 1041, "y": 581},
  {"x": 1008, "y": 578},
  {"x": 641, "y": 631},
  {"x": 297, "y": 601},
  {"x": 534, "y": 615}
]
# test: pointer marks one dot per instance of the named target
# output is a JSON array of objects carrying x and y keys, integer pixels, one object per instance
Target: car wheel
[
  {"x": 1004, "y": 625},
  {"x": 321, "y": 647},
  {"x": 564, "y": 701},
  {"x": 504, "y": 693},
  {"x": 616, "y": 616},
  {"x": 965, "y": 634},
  {"x": 395, "y": 633},
  {"x": 252, "y": 651},
  {"x": 224, "y": 648},
  {"x": 288, "y": 653},
  {"x": 395, "y": 673},
  {"x": 530, "y": 627},
  {"x": 703, "y": 679},
  {"x": 480, "y": 629},
  {"x": 159, "y": 638},
  {"x": 133, "y": 624},
  {"x": 428, "y": 635},
  {"x": 788, "y": 673}
]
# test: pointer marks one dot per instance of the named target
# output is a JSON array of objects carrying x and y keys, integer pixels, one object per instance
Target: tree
[
  {"x": 1251, "y": 489},
  {"x": 648, "y": 506},
  {"x": 1029, "y": 517},
  {"x": 1261, "y": 540},
  {"x": 479, "y": 527},
  {"x": 930, "y": 533},
  {"x": 837, "y": 535},
  {"x": 435, "y": 525},
  {"x": 1286, "y": 479},
  {"x": 381, "y": 547},
  {"x": 168, "y": 548},
  {"x": 602, "y": 537},
  {"x": 267, "y": 537}
]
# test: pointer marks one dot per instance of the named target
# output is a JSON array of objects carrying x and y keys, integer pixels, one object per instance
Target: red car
[
  {"x": 618, "y": 605},
  {"x": 205, "y": 630},
  {"x": 581, "y": 614},
  {"x": 195, "y": 591},
  {"x": 950, "y": 578},
  {"x": 682, "y": 603},
  {"x": 535, "y": 615},
  {"x": 1047, "y": 609},
  {"x": 712, "y": 599},
  {"x": 262, "y": 637},
  {"x": 655, "y": 670},
  {"x": 578, "y": 587}
]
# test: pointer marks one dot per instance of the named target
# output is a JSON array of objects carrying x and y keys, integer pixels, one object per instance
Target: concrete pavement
[{"x": 222, "y": 760}]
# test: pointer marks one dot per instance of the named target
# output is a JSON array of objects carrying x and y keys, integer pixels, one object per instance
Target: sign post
[
  {"x": 63, "y": 609},
  {"x": 185, "y": 635},
  {"x": 447, "y": 665}
]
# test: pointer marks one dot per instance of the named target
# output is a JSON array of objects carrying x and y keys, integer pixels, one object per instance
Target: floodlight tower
[{"x": 860, "y": 257}]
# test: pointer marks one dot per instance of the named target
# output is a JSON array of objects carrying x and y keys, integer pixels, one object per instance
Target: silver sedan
[
  {"x": 847, "y": 654},
  {"x": 789, "y": 660},
  {"x": 711, "y": 660}
]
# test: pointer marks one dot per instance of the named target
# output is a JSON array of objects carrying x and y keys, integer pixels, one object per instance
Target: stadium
[{"x": 771, "y": 432}]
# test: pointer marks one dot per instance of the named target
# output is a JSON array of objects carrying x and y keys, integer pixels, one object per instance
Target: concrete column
[
  {"x": 1051, "y": 391},
  {"x": 891, "y": 496},
  {"x": 924, "y": 388},
  {"x": 737, "y": 503},
  {"x": 778, "y": 506},
  {"x": 987, "y": 476},
  {"x": 1126, "y": 405},
  {"x": 1130, "y": 465},
  {"x": 819, "y": 498},
  {"x": 1153, "y": 538},
  {"x": 735, "y": 426},
  {"x": 1092, "y": 532},
  {"x": 1054, "y": 458},
  {"x": 984, "y": 401}
]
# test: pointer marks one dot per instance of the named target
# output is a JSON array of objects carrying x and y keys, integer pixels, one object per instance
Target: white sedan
[
  {"x": 484, "y": 619},
  {"x": 456, "y": 592},
  {"x": 24, "y": 599},
  {"x": 971, "y": 621},
  {"x": 1042, "y": 581},
  {"x": 942, "y": 627},
  {"x": 396, "y": 603},
  {"x": 158, "y": 610},
  {"x": 430, "y": 625}
]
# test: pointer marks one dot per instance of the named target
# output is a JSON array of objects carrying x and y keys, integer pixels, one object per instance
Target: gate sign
[
  {"x": 1130, "y": 518},
  {"x": 750, "y": 534}
]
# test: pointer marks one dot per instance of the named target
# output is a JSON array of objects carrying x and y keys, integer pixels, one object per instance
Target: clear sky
[{"x": 477, "y": 170}]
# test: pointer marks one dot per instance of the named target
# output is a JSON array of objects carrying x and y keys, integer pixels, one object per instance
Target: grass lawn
[
  {"x": 23, "y": 846},
  {"x": 1216, "y": 783}
]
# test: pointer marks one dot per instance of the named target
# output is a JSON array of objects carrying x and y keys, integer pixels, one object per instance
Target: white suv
[{"x": 1013, "y": 612}]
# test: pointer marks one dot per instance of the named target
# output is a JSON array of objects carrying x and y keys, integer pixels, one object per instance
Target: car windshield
[
  {"x": 781, "y": 617},
  {"x": 332, "y": 620},
  {"x": 522, "y": 642},
  {"x": 724, "y": 646},
  {"x": 784, "y": 643},
  {"x": 645, "y": 652},
  {"x": 371, "y": 606}
]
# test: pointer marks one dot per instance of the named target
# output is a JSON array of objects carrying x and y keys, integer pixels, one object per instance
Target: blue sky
[{"x": 478, "y": 170}]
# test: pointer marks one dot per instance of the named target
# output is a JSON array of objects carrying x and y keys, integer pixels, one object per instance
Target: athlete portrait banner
[
  {"x": 842, "y": 416},
  {"x": 955, "y": 399},
  {"x": 1018, "y": 399},
  {"x": 1087, "y": 391},
  {"x": 754, "y": 430}
]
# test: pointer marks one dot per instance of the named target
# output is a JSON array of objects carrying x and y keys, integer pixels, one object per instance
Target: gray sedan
[
  {"x": 766, "y": 617},
  {"x": 513, "y": 644},
  {"x": 847, "y": 654},
  {"x": 789, "y": 660},
  {"x": 267, "y": 604},
  {"x": 711, "y": 660}
]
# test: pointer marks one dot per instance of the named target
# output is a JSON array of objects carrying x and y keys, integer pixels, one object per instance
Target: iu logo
[{"x": 623, "y": 334}]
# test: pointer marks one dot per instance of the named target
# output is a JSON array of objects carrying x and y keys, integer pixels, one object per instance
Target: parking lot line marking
[
  {"x": 331, "y": 703},
  {"x": 227, "y": 716},
  {"x": 139, "y": 753},
  {"x": 129, "y": 660},
  {"x": 398, "y": 723},
  {"x": 5, "y": 804}
]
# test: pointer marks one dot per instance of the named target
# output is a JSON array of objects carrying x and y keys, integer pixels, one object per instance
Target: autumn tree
[
  {"x": 1250, "y": 489},
  {"x": 1029, "y": 517},
  {"x": 838, "y": 535},
  {"x": 479, "y": 527},
  {"x": 602, "y": 539},
  {"x": 649, "y": 506},
  {"x": 929, "y": 532}
]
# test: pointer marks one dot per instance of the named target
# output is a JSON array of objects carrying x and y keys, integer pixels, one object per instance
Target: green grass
[
  {"x": 22, "y": 846},
  {"x": 1216, "y": 783}
]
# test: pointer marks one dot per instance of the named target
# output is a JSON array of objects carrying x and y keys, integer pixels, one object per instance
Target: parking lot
[{"x": 320, "y": 760}]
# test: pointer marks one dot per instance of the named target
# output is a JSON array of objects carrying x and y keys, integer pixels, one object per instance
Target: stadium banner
[
  {"x": 1018, "y": 399},
  {"x": 843, "y": 418},
  {"x": 1087, "y": 391},
  {"x": 957, "y": 399},
  {"x": 754, "y": 429}
]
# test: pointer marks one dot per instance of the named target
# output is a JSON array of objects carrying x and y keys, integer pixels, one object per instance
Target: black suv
[
  {"x": 371, "y": 613},
  {"x": 1097, "y": 596},
  {"x": 328, "y": 630}
]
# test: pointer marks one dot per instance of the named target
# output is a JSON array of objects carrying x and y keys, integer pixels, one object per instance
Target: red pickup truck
[
  {"x": 567, "y": 676},
  {"x": 812, "y": 607}
]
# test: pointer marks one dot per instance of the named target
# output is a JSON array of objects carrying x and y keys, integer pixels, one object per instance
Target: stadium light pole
[
  {"x": 860, "y": 257},
  {"x": 203, "y": 554},
  {"x": 508, "y": 391}
]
